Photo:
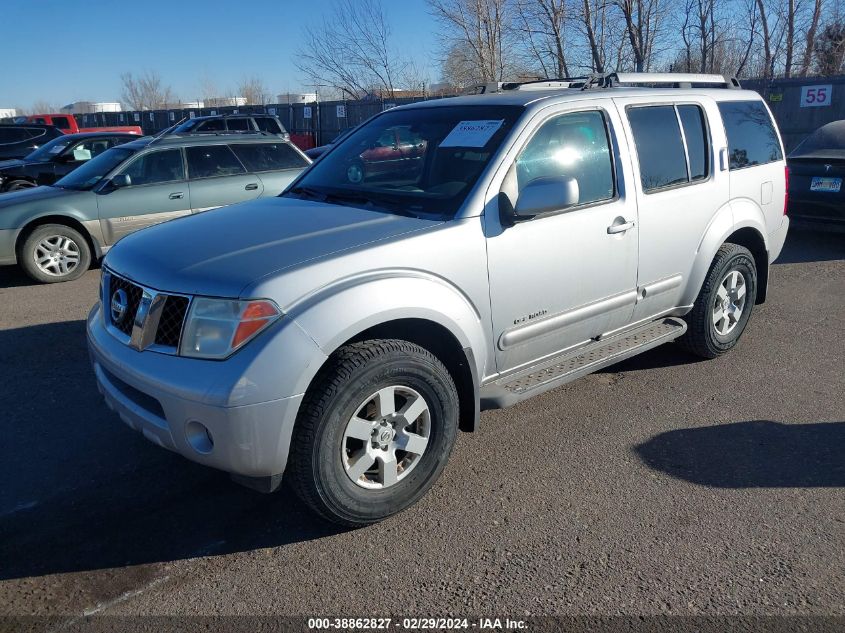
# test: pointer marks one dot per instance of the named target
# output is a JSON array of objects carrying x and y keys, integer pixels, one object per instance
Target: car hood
[
  {"x": 36, "y": 194},
  {"x": 219, "y": 253}
]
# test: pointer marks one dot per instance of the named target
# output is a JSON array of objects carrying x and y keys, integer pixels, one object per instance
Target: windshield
[
  {"x": 47, "y": 151},
  {"x": 92, "y": 172},
  {"x": 421, "y": 160}
]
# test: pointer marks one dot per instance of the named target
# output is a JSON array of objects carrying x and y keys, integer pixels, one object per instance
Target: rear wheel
[
  {"x": 54, "y": 253},
  {"x": 374, "y": 431},
  {"x": 724, "y": 303}
]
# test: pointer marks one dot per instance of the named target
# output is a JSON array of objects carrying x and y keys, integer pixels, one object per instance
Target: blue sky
[{"x": 94, "y": 41}]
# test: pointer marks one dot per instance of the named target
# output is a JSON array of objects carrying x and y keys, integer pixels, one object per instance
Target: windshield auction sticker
[{"x": 471, "y": 133}]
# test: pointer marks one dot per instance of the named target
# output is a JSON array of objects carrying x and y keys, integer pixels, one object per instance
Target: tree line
[{"x": 353, "y": 52}]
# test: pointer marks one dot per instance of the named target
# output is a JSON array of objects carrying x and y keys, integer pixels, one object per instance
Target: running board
[{"x": 585, "y": 360}]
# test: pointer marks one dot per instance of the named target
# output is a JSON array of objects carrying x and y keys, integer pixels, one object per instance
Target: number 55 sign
[{"x": 815, "y": 96}]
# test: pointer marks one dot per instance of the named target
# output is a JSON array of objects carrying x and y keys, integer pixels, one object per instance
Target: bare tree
[
  {"x": 145, "y": 92},
  {"x": 810, "y": 38},
  {"x": 543, "y": 24},
  {"x": 352, "y": 50},
  {"x": 642, "y": 25},
  {"x": 253, "y": 90},
  {"x": 43, "y": 107},
  {"x": 479, "y": 30},
  {"x": 830, "y": 49}
]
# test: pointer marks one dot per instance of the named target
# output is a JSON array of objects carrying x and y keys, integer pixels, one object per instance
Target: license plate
[{"x": 833, "y": 185}]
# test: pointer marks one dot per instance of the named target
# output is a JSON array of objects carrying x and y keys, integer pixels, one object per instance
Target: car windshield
[
  {"x": 93, "y": 171},
  {"x": 49, "y": 150},
  {"x": 415, "y": 161}
]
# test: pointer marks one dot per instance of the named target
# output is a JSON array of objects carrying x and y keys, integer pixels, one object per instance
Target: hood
[
  {"x": 36, "y": 194},
  {"x": 220, "y": 252}
]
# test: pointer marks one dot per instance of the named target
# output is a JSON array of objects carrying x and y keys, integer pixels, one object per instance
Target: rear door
[
  {"x": 218, "y": 178},
  {"x": 159, "y": 192},
  {"x": 277, "y": 164},
  {"x": 755, "y": 157},
  {"x": 678, "y": 189}
]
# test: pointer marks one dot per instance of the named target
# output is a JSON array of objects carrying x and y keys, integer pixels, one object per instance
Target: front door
[
  {"x": 157, "y": 192},
  {"x": 562, "y": 278}
]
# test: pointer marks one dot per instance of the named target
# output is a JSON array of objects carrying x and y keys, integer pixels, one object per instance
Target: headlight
[{"x": 215, "y": 328}]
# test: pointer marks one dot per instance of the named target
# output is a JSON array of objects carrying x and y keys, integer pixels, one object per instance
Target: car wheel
[
  {"x": 355, "y": 172},
  {"x": 18, "y": 185},
  {"x": 724, "y": 304},
  {"x": 374, "y": 431},
  {"x": 55, "y": 252}
]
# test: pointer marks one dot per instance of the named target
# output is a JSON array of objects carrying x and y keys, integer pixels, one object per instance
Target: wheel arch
[
  {"x": 401, "y": 307},
  {"x": 742, "y": 224},
  {"x": 66, "y": 220}
]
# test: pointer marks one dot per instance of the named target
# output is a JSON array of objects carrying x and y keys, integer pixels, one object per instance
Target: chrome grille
[
  {"x": 171, "y": 321},
  {"x": 152, "y": 320}
]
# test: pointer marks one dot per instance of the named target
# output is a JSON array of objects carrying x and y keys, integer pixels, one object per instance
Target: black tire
[
  {"x": 77, "y": 257},
  {"x": 353, "y": 373},
  {"x": 702, "y": 337},
  {"x": 19, "y": 185}
]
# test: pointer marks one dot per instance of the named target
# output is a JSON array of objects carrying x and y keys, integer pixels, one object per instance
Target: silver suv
[{"x": 343, "y": 332}]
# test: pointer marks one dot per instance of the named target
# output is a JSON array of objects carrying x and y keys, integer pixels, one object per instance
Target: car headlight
[{"x": 215, "y": 328}]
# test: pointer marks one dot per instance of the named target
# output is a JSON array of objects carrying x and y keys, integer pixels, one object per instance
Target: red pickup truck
[{"x": 67, "y": 124}]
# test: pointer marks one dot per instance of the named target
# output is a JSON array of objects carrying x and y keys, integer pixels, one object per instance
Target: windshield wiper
[{"x": 309, "y": 192}]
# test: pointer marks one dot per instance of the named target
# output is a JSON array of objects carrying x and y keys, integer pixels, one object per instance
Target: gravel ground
[{"x": 663, "y": 485}]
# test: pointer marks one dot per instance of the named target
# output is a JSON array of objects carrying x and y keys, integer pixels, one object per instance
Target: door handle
[
  {"x": 613, "y": 229},
  {"x": 177, "y": 196},
  {"x": 251, "y": 187}
]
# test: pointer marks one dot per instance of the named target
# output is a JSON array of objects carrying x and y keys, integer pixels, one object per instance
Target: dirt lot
[{"x": 663, "y": 485}]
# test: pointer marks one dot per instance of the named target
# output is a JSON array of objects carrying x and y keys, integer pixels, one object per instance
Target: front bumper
[
  {"x": 8, "y": 237},
  {"x": 166, "y": 397}
]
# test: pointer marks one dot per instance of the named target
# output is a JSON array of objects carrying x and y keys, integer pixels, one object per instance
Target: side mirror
[
  {"x": 121, "y": 180},
  {"x": 546, "y": 195}
]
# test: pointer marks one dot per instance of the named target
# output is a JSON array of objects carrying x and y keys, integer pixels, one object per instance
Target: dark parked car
[
  {"x": 816, "y": 171},
  {"x": 16, "y": 141},
  {"x": 232, "y": 123},
  {"x": 57, "y": 158}
]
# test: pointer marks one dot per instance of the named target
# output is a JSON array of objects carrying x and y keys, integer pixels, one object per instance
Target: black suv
[
  {"x": 57, "y": 158},
  {"x": 232, "y": 123},
  {"x": 17, "y": 141}
]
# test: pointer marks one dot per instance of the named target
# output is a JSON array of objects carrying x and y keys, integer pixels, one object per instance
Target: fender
[
  {"x": 733, "y": 216},
  {"x": 338, "y": 312}
]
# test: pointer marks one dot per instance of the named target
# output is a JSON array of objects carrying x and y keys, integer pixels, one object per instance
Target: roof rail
[
  {"x": 221, "y": 133},
  {"x": 673, "y": 80},
  {"x": 546, "y": 84}
]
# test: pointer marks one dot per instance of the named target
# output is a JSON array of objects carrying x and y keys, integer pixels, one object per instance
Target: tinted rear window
[
  {"x": 208, "y": 161},
  {"x": 268, "y": 124},
  {"x": 268, "y": 156},
  {"x": 61, "y": 123},
  {"x": 752, "y": 139},
  {"x": 695, "y": 133},
  {"x": 13, "y": 135},
  {"x": 660, "y": 148}
]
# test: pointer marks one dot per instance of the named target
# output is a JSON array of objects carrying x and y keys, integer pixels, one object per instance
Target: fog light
[{"x": 199, "y": 437}]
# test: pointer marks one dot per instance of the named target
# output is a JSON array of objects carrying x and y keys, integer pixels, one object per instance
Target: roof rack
[
  {"x": 666, "y": 80},
  {"x": 614, "y": 80},
  {"x": 218, "y": 133}
]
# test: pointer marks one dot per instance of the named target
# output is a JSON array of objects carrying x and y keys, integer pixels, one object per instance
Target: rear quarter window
[
  {"x": 268, "y": 156},
  {"x": 752, "y": 139}
]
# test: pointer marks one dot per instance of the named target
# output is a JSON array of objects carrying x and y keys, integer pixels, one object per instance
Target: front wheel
[
  {"x": 55, "y": 252},
  {"x": 374, "y": 431},
  {"x": 723, "y": 306}
]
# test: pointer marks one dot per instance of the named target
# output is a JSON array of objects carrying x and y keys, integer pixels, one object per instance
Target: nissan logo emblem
[{"x": 119, "y": 303}]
